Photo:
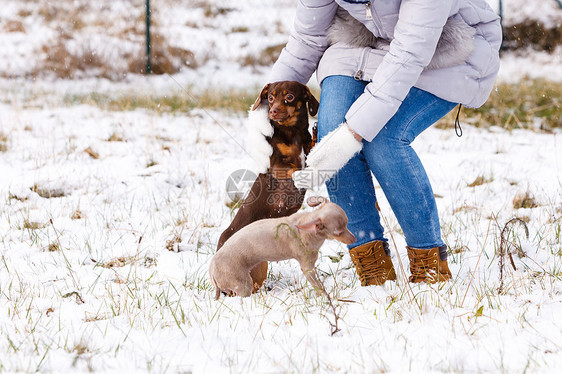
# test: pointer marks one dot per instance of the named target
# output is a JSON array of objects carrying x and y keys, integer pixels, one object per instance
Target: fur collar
[{"x": 454, "y": 47}]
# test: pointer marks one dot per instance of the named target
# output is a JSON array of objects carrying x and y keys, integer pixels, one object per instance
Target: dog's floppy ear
[
  {"x": 312, "y": 103},
  {"x": 312, "y": 226},
  {"x": 262, "y": 96}
]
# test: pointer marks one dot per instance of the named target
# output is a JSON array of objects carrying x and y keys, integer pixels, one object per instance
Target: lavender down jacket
[{"x": 413, "y": 28}]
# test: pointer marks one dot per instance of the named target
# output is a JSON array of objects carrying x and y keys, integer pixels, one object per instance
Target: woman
[{"x": 388, "y": 70}]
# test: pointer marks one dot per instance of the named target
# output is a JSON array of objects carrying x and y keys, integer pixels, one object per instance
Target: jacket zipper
[
  {"x": 368, "y": 13},
  {"x": 369, "y": 17},
  {"x": 362, "y": 62}
]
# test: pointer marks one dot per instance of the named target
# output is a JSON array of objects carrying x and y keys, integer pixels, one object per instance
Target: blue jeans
[{"x": 391, "y": 159}]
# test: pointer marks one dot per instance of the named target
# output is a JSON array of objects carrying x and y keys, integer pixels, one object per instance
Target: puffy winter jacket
[{"x": 413, "y": 28}]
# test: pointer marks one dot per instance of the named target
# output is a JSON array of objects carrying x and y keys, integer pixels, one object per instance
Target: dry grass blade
[
  {"x": 477, "y": 262},
  {"x": 93, "y": 154},
  {"x": 333, "y": 325},
  {"x": 79, "y": 299},
  {"x": 504, "y": 243}
]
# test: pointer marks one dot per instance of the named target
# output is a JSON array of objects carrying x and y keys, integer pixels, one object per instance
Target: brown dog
[
  {"x": 288, "y": 115},
  {"x": 274, "y": 194},
  {"x": 298, "y": 236}
]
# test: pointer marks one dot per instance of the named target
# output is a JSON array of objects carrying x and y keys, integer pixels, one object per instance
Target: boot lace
[
  {"x": 371, "y": 264},
  {"x": 424, "y": 266}
]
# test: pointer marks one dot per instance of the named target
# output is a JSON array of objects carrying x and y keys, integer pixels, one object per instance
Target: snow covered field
[{"x": 108, "y": 219}]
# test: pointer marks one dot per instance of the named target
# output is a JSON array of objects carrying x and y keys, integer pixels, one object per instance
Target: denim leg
[
  {"x": 400, "y": 172},
  {"x": 352, "y": 187}
]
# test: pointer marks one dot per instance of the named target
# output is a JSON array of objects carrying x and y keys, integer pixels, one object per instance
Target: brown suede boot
[
  {"x": 426, "y": 266},
  {"x": 372, "y": 264}
]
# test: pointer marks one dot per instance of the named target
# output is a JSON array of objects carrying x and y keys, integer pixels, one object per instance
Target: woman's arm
[
  {"x": 307, "y": 41},
  {"x": 416, "y": 35}
]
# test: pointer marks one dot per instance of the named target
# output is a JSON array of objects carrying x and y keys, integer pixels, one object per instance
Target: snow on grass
[{"x": 109, "y": 219}]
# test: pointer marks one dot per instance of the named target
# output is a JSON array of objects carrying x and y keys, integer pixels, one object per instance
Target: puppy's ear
[
  {"x": 262, "y": 96},
  {"x": 312, "y": 103},
  {"x": 312, "y": 226}
]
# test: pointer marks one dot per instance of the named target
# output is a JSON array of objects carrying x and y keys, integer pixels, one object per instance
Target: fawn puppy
[{"x": 298, "y": 236}]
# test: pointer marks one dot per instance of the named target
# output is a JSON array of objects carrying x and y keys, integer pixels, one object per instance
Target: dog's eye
[
  {"x": 270, "y": 98},
  {"x": 338, "y": 233},
  {"x": 290, "y": 97}
]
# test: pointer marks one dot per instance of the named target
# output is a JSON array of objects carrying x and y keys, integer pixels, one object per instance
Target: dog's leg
[
  {"x": 214, "y": 281},
  {"x": 309, "y": 272},
  {"x": 244, "y": 286}
]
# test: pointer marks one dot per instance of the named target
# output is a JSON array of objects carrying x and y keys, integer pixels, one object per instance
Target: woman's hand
[
  {"x": 328, "y": 156},
  {"x": 355, "y": 135}
]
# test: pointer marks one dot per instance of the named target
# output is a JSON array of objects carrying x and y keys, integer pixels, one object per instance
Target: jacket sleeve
[
  {"x": 307, "y": 41},
  {"x": 419, "y": 26}
]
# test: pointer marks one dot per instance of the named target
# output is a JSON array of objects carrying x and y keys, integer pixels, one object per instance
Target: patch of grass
[
  {"x": 14, "y": 26},
  {"x": 164, "y": 59},
  {"x": 172, "y": 245},
  {"x": 529, "y": 104},
  {"x": 48, "y": 193},
  {"x": 3, "y": 142},
  {"x": 213, "y": 11},
  {"x": 60, "y": 60},
  {"x": 76, "y": 53},
  {"x": 480, "y": 180},
  {"x": 525, "y": 201},
  {"x": 32, "y": 225},
  {"x": 115, "y": 137},
  {"x": 77, "y": 214},
  {"x": 119, "y": 262},
  {"x": 240, "y": 29},
  {"x": 232, "y": 100},
  {"x": 15, "y": 196},
  {"x": 465, "y": 208},
  {"x": 267, "y": 57},
  {"x": 52, "y": 247},
  {"x": 531, "y": 33}
]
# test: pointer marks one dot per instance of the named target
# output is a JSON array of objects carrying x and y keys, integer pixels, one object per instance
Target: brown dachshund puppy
[
  {"x": 291, "y": 140},
  {"x": 274, "y": 194}
]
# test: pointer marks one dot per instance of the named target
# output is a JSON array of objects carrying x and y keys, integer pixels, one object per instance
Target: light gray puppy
[{"x": 298, "y": 236}]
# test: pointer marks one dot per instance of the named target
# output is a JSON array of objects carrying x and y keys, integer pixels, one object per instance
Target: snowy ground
[
  {"x": 108, "y": 220},
  {"x": 92, "y": 199}
]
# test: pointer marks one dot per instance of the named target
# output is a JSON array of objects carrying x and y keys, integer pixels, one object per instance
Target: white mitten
[
  {"x": 327, "y": 157},
  {"x": 258, "y": 128}
]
